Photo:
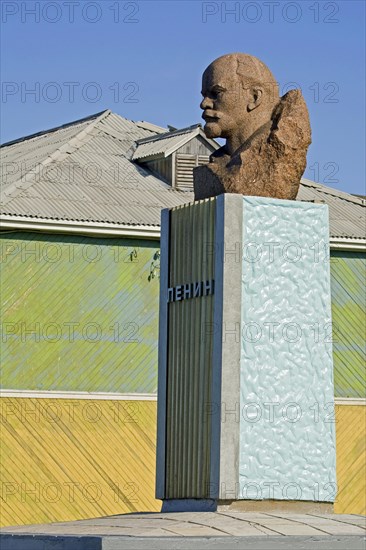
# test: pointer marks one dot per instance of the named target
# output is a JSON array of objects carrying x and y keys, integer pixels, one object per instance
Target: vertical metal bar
[
  {"x": 174, "y": 171},
  {"x": 163, "y": 354}
]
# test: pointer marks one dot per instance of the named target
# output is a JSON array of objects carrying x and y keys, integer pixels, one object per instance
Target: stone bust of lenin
[{"x": 267, "y": 137}]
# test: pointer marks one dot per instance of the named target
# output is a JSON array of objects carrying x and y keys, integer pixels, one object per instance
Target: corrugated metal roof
[
  {"x": 346, "y": 212},
  {"x": 150, "y": 126},
  {"x": 83, "y": 171}
]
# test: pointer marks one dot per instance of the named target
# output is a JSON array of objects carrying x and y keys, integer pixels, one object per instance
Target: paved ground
[{"x": 201, "y": 530}]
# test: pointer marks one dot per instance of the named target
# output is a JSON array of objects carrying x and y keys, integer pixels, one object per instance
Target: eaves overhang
[
  {"x": 91, "y": 228},
  {"x": 148, "y": 158},
  {"x": 347, "y": 243},
  {"x": 106, "y": 229}
]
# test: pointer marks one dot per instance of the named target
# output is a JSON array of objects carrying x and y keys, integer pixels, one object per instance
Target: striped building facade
[
  {"x": 79, "y": 320},
  {"x": 78, "y": 406},
  {"x": 349, "y": 328}
]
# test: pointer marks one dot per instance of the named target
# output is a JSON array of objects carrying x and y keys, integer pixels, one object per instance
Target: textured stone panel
[{"x": 287, "y": 441}]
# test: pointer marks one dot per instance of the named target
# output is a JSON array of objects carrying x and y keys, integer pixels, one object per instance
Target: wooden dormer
[{"x": 173, "y": 155}]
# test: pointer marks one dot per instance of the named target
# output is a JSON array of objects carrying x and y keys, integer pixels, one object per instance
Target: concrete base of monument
[
  {"x": 243, "y": 380},
  {"x": 286, "y": 506},
  {"x": 189, "y": 505},
  {"x": 221, "y": 530},
  {"x": 211, "y": 505}
]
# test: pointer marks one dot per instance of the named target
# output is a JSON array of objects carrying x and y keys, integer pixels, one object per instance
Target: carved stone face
[
  {"x": 225, "y": 100},
  {"x": 266, "y": 136}
]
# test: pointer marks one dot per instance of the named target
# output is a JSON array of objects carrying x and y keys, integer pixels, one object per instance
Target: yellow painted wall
[
  {"x": 351, "y": 459},
  {"x": 67, "y": 459}
]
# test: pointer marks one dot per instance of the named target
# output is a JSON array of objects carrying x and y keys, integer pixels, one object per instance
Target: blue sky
[{"x": 144, "y": 60}]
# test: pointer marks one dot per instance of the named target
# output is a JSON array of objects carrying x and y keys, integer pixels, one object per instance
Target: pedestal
[{"x": 245, "y": 383}]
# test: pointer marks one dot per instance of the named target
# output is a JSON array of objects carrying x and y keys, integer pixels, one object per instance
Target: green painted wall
[
  {"x": 81, "y": 314},
  {"x": 348, "y": 270},
  {"x": 78, "y": 313}
]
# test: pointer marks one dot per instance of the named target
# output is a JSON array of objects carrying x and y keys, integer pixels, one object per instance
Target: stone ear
[{"x": 256, "y": 98}]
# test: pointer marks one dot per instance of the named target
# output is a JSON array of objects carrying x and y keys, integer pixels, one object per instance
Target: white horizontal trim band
[
  {"x": 106, "y": 396},
  {"x": 19, "y": 223},
  {"x": 347, "y": 244},
  {"x": 349, "y": 401}
]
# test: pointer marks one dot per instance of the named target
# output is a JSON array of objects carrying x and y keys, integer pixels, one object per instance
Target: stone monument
[
  {"x": 245, "y": 381},
  {"x": 267, "y": 137}
]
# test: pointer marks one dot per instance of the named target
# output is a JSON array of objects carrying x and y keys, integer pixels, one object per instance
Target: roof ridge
[
  {"x": 58, "y": 154},
  {"x": 342, "y": 195},
  {"x": 54, "y": 129},
  {"x": 168, "y": 134},
  {"x": 150, "y": 127}
]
